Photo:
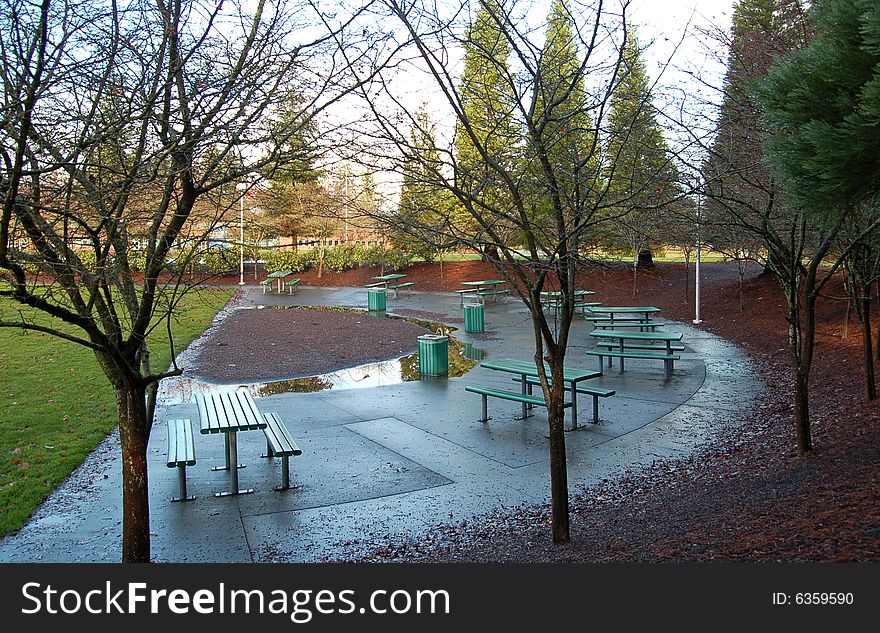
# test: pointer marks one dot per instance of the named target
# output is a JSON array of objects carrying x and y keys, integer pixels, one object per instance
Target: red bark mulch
[{"x": 748, "y": 498}]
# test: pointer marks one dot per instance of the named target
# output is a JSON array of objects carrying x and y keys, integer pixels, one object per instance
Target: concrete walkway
[{"x": 388, "y": 462}]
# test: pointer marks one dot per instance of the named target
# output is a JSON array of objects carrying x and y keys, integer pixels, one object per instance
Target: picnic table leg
[
  {"x": 232, "y": 443},
  {"x": 621, "y": 358},
  {"x": 595, "y": 409},
  {"x": 668, "y": 363},
  {"x": 574, "y": 406},
  {"x": 524, "y": 390},
  {"x": 485, "y": 417}
]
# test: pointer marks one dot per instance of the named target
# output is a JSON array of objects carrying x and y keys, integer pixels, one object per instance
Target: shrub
[
  {"x": 396, "y": 258},
  {"x": 219, "y": 261},
  {"x": 295, "y": 261}
]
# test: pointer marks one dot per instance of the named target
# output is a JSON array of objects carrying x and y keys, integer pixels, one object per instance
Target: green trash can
[
  {"x": 474, "y": 318},
  {"x": 375, "y": 299},
  {"x": 433, "y": 355}
]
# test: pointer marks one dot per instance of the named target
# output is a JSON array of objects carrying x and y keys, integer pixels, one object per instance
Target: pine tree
[
  {"x": 564, "y": 129},
  {"x": 642, "y": 178},
  {"x": 423, "y": 203},
  {"x": 488, "y": 102}
]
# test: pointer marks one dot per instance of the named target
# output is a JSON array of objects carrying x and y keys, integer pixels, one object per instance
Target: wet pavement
[{"x": 394, "y": 459}]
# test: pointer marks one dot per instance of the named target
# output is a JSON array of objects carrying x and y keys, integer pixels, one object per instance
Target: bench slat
[
  {"x": 616, "y": 346},
  {"x": 510, "y": 395},
  {"x": 181, "y": 446},
  {"x": 634, "y": 355},
  {"x": 279, "y": 437},
  {"x": 592, "y": 391}
]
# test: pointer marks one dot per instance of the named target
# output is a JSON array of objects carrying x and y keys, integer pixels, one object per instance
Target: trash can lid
[{"x": 433, "y": 337}]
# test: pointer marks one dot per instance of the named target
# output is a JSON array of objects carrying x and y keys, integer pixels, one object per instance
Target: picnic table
[
  {"x": 481, "y": 288},
  {"x": 528, "y": 369},
  {"x": 382, "y": 280},
  {"x": 279, "y": 275},
  {"x": 229, "y": 412},
  {"x": 553, "y": 299},
  {"x": 639, "y": 313},
  {"x": 624, "y": 335}
]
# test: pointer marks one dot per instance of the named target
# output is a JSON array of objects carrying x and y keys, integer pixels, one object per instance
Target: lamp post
[
  {"x": 697, "y": 319},
  {"x": 242, "y": 186}
]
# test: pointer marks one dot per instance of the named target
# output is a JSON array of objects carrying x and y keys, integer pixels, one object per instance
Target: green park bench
[
  {"x": 487, "y": 392},
  {"x": 181, "y": 453},
  {"x": 279, "y": 443}
]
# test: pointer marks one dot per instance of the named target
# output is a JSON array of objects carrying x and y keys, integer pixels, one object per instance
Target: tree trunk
[
  {"x": 867, "y": 347},
  {"x": 687, "y": 277},
  {"x": 134, "y": 432},
  {"x": 635, "y": 288},
  {"x": 490, "y": 254},
  {"x": 802, "y": 411},
  {"x": 558, "y": 463},
  {"x": 802, "y": 335}
]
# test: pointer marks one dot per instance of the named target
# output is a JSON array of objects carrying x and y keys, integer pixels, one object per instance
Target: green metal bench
[
  {"x": 668, "y": 359},
  {"x": 596, "y": 392},
  {"x": 675, "y": 347},
  {"x": 405, "y": 284},
  {"x": 279, "y": 443},
  {"x": 267, "y": 283},
  {"x": 492, "y": 293},
  {"x": 524, "y": 398},
  {"x": 291, "y": 285},
  {"x": 181, "y": 453},
  {"x": 375, "y": 284},
  {"x": 613, "y": 325}
]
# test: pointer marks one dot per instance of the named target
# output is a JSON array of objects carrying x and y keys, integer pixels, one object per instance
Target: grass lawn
[{"x": 56, "y": 404}]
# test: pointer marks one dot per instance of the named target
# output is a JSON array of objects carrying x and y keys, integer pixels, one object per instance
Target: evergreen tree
[
  {"x": 564, "y": 131},
  {"x": 486, "y": 131},
  {"x": 642, "y": 178},
  {"x": 821, "y": 106},
  {"x": 425, "y": 205}
]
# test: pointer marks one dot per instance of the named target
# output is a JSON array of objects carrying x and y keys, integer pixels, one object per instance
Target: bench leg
[
  {"x": 269, "y": 452},
  {"x": 600, "y": 365},
  {"x": 574, "y": 407},
  {"x": 595, "y": 409},
  {"x": 485, "y": 417},
  {"x": 668, "y": 364},
  {"x": 285, "y": 473},
  {"x": 181, "y": 485}
]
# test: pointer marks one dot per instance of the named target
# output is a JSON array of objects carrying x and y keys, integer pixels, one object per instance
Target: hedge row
[{"x": 336, "y": 258}]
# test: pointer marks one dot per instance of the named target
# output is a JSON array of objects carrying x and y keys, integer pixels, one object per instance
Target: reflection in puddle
[{"x": 462, "y": 358}]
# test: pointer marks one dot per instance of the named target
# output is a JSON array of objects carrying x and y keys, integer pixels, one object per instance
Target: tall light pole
[
  {"x": 242, "y": 186},
  {"x": 697, "y": 319}
]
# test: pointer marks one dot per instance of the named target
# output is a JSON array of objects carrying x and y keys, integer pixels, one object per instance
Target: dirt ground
[
  {"x": 748, "y": 498},
  {"x": 294, "y": 343}
]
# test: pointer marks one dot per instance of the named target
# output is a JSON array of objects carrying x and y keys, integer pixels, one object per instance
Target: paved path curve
[{"x": 387, "y": 462}]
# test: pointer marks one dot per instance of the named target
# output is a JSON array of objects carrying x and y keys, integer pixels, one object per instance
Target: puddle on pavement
[{"x": 462, "y": 357}]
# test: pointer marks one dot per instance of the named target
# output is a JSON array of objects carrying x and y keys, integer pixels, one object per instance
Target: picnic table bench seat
[
  {"x": 491, "y": 293},
  {"x": 487, "y": 392},
  {"x": 181, "y": 453},
  {"x": 675, "y": 347},
  {"x": 668, "y": 359},
  {"x": 618, "y": 319},
  {"x": 596, "y": 392},
  {"x": 405, "y": 284},
  {"x": 291, "y": 285},
  {"x": 375, "y": 284},
  {"x": 267, "y": 283},
  {"x": 613, "y": 325},
  {"x": 279, "y": 443}
]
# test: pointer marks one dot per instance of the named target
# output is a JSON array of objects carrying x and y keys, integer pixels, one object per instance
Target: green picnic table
[
  {"x": 279, "y": 275},
  {"x": 622, "y": 336},
  {"x": 526, "y": 369}
]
